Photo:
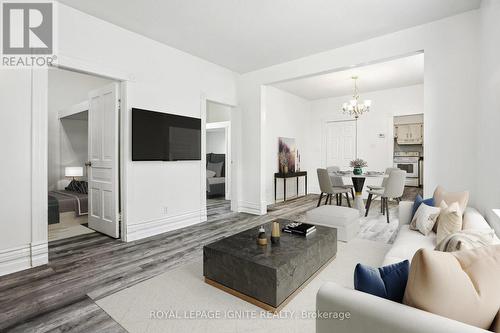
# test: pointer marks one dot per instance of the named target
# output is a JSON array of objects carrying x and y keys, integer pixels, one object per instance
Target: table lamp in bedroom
[{"x": 73, "y": 172}]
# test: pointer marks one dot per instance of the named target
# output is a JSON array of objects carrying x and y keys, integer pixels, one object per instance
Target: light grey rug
[
  {"x": 373, "y": 227},
  {"x": 177, "y": 295}
]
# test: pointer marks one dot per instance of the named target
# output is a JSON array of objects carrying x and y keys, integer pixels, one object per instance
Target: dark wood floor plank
[
  {"x": 98, "y": 266},
  {"x": 85, "y": 268}
]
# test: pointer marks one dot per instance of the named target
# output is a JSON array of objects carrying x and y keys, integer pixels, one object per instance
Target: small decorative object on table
[
  {"x": 262, "y": 238},
  {"x": 298, "y": 228},
  {"x": 275, "y": 233},
  {"x": 358, "y": 165}
]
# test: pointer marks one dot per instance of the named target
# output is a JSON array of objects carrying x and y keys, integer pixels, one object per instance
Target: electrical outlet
[{"x": 165, "y": 210}]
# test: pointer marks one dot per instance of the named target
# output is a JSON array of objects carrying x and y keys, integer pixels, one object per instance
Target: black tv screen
[{"x": 160, "y": 136}]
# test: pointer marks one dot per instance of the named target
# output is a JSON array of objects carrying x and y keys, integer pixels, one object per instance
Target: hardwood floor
[
  {"x": 88, "y": 267},
  {"x": 59, "y": 297}
]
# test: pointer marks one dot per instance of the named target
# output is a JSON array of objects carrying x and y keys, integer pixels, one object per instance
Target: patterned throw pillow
[
  {"x": 418, "y": 201},
  {"x": 424, "y": 219},
  {"x": 78, "y": 186}
]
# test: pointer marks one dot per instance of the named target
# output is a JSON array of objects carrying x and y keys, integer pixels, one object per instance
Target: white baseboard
[
  {"x": 158, "y": 226},
  {"x": 39, "y": 253},
  {"x": 251, "y": 207},
  {"x": 23, "y": 257},
  {"x": 15, "y": 259}
]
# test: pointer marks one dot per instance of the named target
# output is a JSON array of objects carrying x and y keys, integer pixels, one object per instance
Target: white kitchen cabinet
[{"x": 409, "y": 134}]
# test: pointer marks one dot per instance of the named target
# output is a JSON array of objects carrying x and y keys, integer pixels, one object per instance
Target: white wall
[
  {"x": 216, "y": 141},
  {"x": 218, "y": 112},
  {"x": 23, "y": 200},
  {"x": 289, "y": 115},
  {"x": 488, "y": 114},
  {"x": 15, "y": 173},
  {"x": 66, "y": 89},
  {"x": 74, "y": 146},
  {"x": 163, "y": 79},
  {"x": 378, "y": 152},
  {"x": 450, "y": 98}
]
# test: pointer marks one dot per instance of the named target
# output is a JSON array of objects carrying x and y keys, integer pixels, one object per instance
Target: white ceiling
[
  {"x": 386, "y": 75},
  {"x": 245, "y": 35}
]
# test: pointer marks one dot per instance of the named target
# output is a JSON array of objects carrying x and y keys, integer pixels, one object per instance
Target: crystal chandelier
[{"x": 354, "y": 108}]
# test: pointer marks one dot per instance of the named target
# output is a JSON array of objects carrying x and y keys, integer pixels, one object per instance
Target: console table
[{"x": 284, "y": 176}]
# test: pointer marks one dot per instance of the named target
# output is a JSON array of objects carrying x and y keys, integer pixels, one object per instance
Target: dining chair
[
  {"x": 338, "y": 181},
  {"x": 394, "y": 188},
  {"x": 326, "y": 187},
  {"x": 384, "y": 180}
]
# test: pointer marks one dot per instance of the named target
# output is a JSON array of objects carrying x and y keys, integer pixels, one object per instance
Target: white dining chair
[
  {"x": 326, "y": 186},
  {"x": 394, "y": 188},
  {"x": 338, "y": 181},
  {"x": 384, "y": 180}
]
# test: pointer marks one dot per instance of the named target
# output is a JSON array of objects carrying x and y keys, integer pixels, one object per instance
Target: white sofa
[{"x": 370, "y": 313}]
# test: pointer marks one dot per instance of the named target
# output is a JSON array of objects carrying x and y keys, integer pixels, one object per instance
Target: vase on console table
[{"x": 357, "y": 171}]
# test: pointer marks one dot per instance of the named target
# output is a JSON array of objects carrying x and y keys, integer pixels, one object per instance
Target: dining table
[{"x": 358, "y": 181}]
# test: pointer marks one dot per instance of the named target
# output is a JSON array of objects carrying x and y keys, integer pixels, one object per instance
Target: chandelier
[{"x": 354, "y": 108}]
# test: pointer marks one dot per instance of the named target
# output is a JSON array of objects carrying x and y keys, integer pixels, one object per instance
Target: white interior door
[
  {"x": 103, "y": 157},
  {"x": 341, "y": 143}
]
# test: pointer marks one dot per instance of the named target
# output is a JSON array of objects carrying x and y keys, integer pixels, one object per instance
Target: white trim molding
[
  {"x": 252, "y": 207},
  {"x": 158, "y": 226},
  {"x": 23, "y": 257},
  {"x": 38, "y": 249},
  {"x": 39, "y": 253},
  {"x": 15, "y": 259}
]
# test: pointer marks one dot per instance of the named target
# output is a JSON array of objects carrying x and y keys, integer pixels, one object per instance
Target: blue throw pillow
[
  {"x": 388, "y": 282},
  {"x": 418, "y": 201}
]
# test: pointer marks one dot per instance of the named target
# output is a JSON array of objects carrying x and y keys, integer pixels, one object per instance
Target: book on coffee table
[{"x": 298, "y": 228}]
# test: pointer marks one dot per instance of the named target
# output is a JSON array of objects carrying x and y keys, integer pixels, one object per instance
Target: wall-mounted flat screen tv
[{"x": 158, "y": 136}]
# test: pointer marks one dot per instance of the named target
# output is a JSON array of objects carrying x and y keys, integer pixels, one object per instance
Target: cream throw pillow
[
  {"x": 424, "y": 219},
  {"x": 441, "y": 195},
  {"x": 450, "y": 197},
  {"x": 459, "y": 285},
  {"x": 449, "y": 220}
]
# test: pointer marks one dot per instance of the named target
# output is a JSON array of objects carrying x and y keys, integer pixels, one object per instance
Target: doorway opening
[
  {"x": 218, "y": 158},
  {"x": 83, "y": 159}
]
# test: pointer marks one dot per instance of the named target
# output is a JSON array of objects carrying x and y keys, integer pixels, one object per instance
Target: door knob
[{"x": 88, "y": 164}]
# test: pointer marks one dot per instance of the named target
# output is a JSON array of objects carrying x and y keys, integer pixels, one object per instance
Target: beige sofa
[{"x": 370, "y": 313}]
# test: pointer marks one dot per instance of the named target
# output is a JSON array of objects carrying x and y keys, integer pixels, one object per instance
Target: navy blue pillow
[
  {"x": 418, "y": 202},
  {"x": 388, "y": 282}
]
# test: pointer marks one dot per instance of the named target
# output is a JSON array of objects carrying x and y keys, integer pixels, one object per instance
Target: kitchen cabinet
[{"x": 409, "y": 134}]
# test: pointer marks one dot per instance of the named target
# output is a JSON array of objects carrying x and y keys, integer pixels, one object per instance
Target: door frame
[
  {"x": 39, "y": 138},
  {"x": 226, "y": 126},
  {"x": 233, "y": 163}
]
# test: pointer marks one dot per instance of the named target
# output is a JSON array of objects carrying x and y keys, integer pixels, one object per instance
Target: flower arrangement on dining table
[{"x": 358, "y": 165}]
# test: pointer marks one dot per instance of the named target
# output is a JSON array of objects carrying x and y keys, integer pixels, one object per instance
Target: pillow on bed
[
  {"x": 215, "y": 167},
  {"x": 78, "y": 186}
]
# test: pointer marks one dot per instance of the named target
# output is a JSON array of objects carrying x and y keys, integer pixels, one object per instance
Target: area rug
[
  {"x": 372, "y": 227},
  {"x": 179, "y": 300}
]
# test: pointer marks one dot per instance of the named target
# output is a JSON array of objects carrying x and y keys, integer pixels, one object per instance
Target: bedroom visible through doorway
[
  {"x": 218, "y": 157},
  {"x": 74, "y": 135}
]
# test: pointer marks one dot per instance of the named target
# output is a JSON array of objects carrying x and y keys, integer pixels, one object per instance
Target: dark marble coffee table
[{"x": 267, "y": 276}]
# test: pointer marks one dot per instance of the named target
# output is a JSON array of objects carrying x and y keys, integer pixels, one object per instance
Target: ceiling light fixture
[{"x": 354, "y": 108}]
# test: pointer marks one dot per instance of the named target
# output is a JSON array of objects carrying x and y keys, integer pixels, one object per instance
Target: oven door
[{"x": 411, "y": 168}]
